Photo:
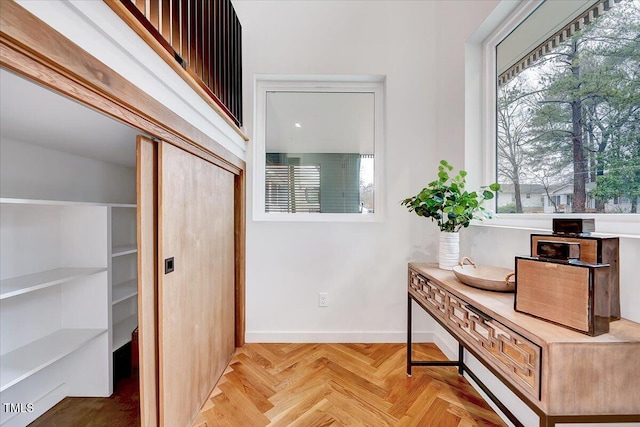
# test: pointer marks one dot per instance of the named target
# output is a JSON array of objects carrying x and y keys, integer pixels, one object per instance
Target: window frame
[
  {"x": 481, "y": 52},
  {"x": 317, "y": 83}
]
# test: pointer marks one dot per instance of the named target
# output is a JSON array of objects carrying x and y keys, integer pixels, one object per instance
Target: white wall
[
  {"x": 361, "y": 265},
  {"x": 31, "y": 172},
  {"x": 421, "y": 48}
]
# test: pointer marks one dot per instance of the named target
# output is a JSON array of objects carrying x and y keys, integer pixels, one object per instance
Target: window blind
[{"x": 292, "y": 188}]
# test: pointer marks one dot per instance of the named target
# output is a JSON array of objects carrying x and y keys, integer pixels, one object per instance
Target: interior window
[
  {"x": 568, "y": 109},
  {"x": 318, "y": 149}
]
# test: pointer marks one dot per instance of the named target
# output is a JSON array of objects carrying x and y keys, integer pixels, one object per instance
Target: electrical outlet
[{"x": 323, "y": 299}]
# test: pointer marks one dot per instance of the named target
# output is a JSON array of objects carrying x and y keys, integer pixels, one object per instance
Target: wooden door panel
[
  {"x": 196, "y": 300},
  {"x": 147, "y": 194}
]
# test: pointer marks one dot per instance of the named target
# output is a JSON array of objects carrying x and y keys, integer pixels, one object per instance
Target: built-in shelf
[
  {"x": 123, "y": 266},
  {"x": 25, "y": 361},
  {"x": 33, "y": 282},
  {"x": 46, "y": 202},
  {"x": 124, "y": 250},
  {"x": 124, "y": 291},
  {"x": 122, "y": 331},
  {"x": 13, "y": 201}
]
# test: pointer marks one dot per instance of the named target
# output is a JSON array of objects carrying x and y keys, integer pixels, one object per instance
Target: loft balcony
[{"x": 204, "y": 39}]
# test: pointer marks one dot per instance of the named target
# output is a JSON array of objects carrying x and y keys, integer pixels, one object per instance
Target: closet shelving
[
  {"x": 27, "y": 360},
  {"x": 33, "y": 282},
  {"x": 124, "y": 279},
  {"x": 68, "y": 299}
]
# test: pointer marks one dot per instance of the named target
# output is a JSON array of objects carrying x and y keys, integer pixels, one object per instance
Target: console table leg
[
  {"x": 409, "y": 337},
  {"x": 460, "y": 359}
]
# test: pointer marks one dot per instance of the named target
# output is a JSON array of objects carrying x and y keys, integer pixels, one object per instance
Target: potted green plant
[{"x": 446, "y": 202}]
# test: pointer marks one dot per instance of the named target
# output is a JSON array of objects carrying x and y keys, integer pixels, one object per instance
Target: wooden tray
[{"x": 485, "y": 277}]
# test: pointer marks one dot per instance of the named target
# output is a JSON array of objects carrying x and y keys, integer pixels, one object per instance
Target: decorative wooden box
[
  {"x": 558, "y": 250},
  {"x": 593, "y": 250},
  {"x": 572, "y": 294},
  {"x": 574, "y": 225}
]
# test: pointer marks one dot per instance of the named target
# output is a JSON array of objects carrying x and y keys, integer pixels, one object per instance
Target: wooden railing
[{"x": 205, "y": 37}]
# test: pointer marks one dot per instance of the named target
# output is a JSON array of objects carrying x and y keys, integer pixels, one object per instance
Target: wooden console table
[{"x": 562, "y": 375}]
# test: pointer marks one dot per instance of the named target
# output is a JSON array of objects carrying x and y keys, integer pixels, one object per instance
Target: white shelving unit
[
  {"x": 124, "y": 250},
  {"x": 124, "y": 271},
  {"x": 122, "y": 331},
  {"x": 124, "y": 291},
  {"x": 31, "y": 358},
  {"x": 54, "y": 310},
  {"x": 33, "y": 282}
]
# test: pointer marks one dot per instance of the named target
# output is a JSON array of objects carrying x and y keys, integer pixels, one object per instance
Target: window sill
[
  {"x": 316, "y": 217},
  {"x": 621, "y": 225}
]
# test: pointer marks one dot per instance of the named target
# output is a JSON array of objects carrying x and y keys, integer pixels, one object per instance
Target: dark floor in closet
[{"x": 121, "y": 409}]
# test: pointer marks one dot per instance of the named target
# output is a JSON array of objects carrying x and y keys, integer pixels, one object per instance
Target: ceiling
[
  {"x": 33, "y": 114},
  {"x": 320, "y": 122}
]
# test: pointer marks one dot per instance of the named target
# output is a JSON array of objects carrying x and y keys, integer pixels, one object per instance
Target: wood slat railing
[{"x": 205, "y": 37}]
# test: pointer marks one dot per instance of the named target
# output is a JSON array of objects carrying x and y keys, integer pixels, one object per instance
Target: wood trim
[
  {"x": 33, "y": 49},
  {"x": 240, "y": 236},
  {"x": 160, "y": 146},
  {"x": 147, "y": 212},
  {"x": 41, "y": 74},
  {"x": 160, "y": 47}
]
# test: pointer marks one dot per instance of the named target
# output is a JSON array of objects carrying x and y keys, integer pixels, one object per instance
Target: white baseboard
[
  {"x": 445, "y": 346},
  {"x": 337, "y": 337}
]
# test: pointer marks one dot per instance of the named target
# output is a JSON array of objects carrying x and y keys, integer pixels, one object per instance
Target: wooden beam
[{"x": 33, "y": 49}]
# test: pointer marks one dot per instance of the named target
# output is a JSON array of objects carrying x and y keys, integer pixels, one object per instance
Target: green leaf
[
  {"x": 446, "y": 165},
  {"x": 446, "y": 202}
]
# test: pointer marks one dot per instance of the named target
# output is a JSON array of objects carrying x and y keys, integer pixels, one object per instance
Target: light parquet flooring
[{"x": 314, "y": 385}]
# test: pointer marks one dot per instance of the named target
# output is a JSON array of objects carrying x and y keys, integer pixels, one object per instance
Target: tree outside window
[{"x": 569, "y": 124}]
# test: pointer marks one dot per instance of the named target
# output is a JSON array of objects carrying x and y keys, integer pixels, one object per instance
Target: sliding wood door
[
  {"x": 196, "y": 305},
  {"x": 147, "y": 194}
]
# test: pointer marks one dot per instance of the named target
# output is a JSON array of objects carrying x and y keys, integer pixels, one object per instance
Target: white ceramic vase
[{"x": 448, "y": 250}]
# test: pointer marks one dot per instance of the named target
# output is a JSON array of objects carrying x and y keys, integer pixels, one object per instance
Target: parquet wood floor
[
  {"x": 314, "y": 385},
  {"x": 122, "y": 409}
]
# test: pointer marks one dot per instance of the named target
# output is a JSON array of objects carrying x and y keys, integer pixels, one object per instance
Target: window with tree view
[{"x": 568, "y": 111}]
